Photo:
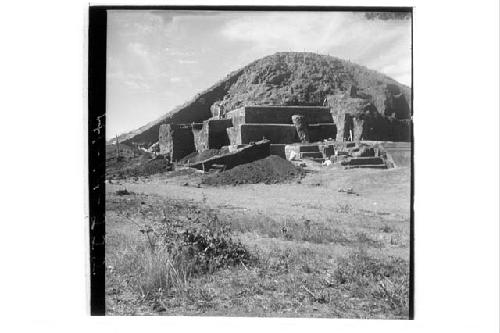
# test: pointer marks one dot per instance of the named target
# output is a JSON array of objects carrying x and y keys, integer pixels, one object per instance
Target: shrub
[
  {"x": 210, "y": 247},
  {"x": 175, "y": 253},
  {"x": 123, "y": 192}
]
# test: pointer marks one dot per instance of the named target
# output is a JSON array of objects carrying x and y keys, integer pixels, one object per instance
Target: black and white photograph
[
  {"x": 259, "y": 163},
  {"x": 264, "y": 166}
]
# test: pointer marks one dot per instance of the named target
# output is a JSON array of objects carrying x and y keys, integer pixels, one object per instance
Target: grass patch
[
  {"x": 175, "y": 257},
  {"x": 368, "y": 277},
  {"x": 170, "y": 254},
  {"x": 302, "y": 229},
  {"x": 386, "y": 229}
]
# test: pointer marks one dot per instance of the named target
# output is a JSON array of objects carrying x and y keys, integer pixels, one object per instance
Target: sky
[{"x": 157, "y": 60}]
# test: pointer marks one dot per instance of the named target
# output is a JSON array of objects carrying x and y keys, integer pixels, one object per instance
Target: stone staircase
[
  {"x": 349, "y": 155},
  {"x": 310, "y": 152},
  {"x": 364, "y": 162}
]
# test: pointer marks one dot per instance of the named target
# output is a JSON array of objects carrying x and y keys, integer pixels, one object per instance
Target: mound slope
[{"x": 284, "y": 78}]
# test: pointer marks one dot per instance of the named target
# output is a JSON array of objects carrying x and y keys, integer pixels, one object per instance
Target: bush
[
  {"x": 211, "y": 247},
  {"x": 174, "y": 254},
  {"x": 123, "y": 192}
]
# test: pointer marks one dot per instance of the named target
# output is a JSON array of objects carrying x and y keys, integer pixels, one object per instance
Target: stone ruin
[
  {"x": 350, "y": 116},
  {"x": 246, "y": 125},
  {"x": 358, "y": 118}
]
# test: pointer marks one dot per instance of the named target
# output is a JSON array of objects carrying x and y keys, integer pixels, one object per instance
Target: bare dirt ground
[{"x": 333, "y": 244}]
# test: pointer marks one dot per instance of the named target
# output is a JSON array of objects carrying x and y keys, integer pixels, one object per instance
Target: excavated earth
[{"x": 270, "y": 170}]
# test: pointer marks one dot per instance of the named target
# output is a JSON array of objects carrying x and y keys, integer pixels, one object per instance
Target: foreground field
[{"x": 311, "y": 248}]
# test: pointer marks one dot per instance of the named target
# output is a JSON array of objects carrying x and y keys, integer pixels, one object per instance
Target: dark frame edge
[
  {"x": 96, "y": 155},
  {"x": 97, "y": 35},
  {"x": 411, "y": 300}
]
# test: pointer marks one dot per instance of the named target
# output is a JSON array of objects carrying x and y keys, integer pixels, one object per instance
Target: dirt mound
[
  {"x": 196, "y": 157},
  {"x": 270, "y": 170},
  {"x": 285, "y": 78},
  {"x": 153, "y": 167},
  {"x": 137, "y": 167}
]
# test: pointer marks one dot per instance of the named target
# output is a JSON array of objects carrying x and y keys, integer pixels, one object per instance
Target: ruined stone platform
[
  {"x": 277, "y": 133},
  {"x": 175, "y": 140},
  {"x": 211, "y": 134},
  {"x": 272, "y": 114}
]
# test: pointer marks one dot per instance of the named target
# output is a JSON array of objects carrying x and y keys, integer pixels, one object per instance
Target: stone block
[
  {"x": 268, "y": 114},
  {"x": 308, "y": 148},
  {"x": 176, "y": 140},
  {"x": 344, "y": 124},
  {"x": 320, "y": 132},
  {"x": 278, "y": 150},
  {"x": 212, "y": 134},
  {"x": 245, "y": 154},
  {"x": 327, "y": 150},
  {"x": 311, "y": 155},
  {"x": 275, "y": 133},
  {"x": 365, "y": 161}
]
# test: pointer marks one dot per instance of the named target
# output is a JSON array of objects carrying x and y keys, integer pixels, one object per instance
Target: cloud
[
  {"x": 373, "y": 43},
  {"x": 175, "y": 52},
  {"x": 175, "y": 79},
  {"x": 138, "y": 49},
  {"x": 134, "y": 82},
  {"x": 159, "y": 59},
  {"x": 187, "y": 61},
  {"x": 137, "y": 85}
]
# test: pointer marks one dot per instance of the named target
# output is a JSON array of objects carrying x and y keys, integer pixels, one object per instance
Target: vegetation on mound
[
  {"x": 141, "y": 166},
  {"x": 284, "y": 78},
  {"x": 293, "y": 78}
]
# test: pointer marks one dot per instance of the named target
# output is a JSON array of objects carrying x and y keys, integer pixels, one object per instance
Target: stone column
[
  {"x": 165, "y": 139},
  {"x": 358, "y": 130},
  {"x": 302, "y": 127}
]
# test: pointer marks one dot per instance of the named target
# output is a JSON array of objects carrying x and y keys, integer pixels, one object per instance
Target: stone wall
[
  {"x": 361, "y": 116},
  {"x": 217, "y": 132},
  {"x": 176, "y": 141},
  {"x": 344, "y": 124},
  {"x": 164, "y": 139},
  {"x": 211, "y": 134},
  {"x": 199, "y": 136},
  {"x": 278, "y": 150},
  {"x": 379, "y": 128},
  {"x": 320, "y": 132},
  {"x": 358, "y": 129},
  {"x": 276, "y": 133},
  {"x": 246, "y": 154},
  {"x": 279, "y": 114}
]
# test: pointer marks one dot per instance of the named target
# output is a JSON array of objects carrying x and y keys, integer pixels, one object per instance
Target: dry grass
[{"x": 160, "y": 262}]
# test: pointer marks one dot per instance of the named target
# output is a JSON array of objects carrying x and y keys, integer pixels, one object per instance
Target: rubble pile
[{"x": 270, "y": 170}]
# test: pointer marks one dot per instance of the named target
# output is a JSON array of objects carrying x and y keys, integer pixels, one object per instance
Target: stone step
[
  {"x": 327, "y": 149},
  {"x": 363, "y": 166},
  {"x": 272, "y": 114},
  {"x": 311, "y": 155},
  {"x": 278, "y": 149},
  {"x": 308, "y": 148},
  {"x": 365, "y": 161}
]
